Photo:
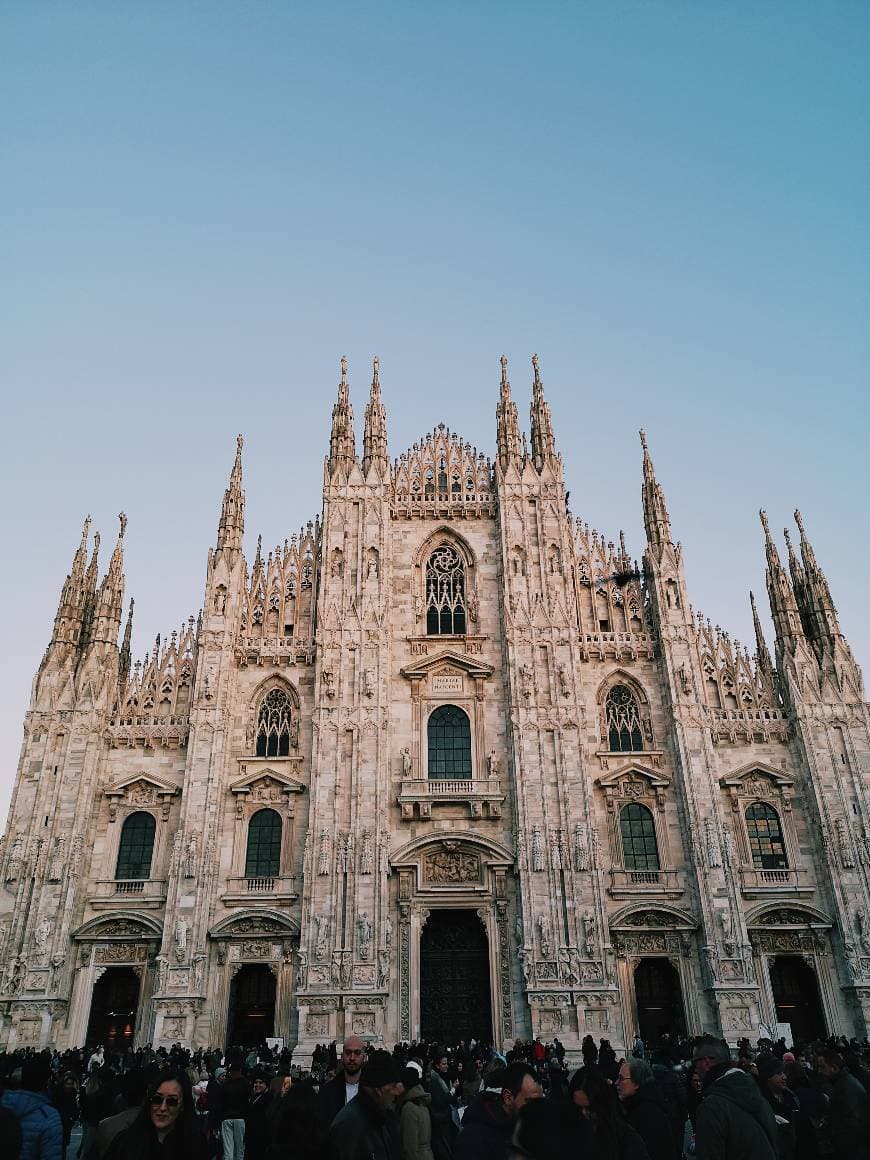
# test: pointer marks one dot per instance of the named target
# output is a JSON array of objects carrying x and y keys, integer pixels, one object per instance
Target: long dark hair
[
  {"x": 603, "y": 1106},
  {"x": 136, "y": 1143}
]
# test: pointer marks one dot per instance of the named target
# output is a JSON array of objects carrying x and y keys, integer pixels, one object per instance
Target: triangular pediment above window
[
  {"x": 141, "y": 783},
  {"x": 632, "y": 770},
  {"x": 757, "y": 771},
  {"x": 447, "y": 662},
  {"x": 264, "y": 778}
]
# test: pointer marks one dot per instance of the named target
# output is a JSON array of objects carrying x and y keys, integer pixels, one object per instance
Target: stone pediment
[
  {"x": 447, "y": 663},
  {"x": 128, "y": 926},
  {"x": 264, "y": 782},
  {"x": 142, "y": 789},
  {"x": 758, "y": 771},
  {"x": 632, "y": 770},
  {"x": 255, "y": 924}
]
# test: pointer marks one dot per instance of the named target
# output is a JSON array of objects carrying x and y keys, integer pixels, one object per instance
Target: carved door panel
[{"x": 455, "y": 1001}]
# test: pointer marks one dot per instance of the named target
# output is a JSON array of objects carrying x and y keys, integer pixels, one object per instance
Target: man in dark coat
[
  {"x": 847, "y": 1115},
  {"x": 645, "y": 1109},
  {"x": 256, "y": 1133},
  {"x": 733, "y": 1121},
  {"x": 38, "y": 1118},
  {"x": 489, "y": 1121},
  {"x": 367, "y": 1127},
  {"x": 344, "y": 1087}
]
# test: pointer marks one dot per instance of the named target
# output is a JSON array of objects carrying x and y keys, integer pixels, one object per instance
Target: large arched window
[
  {"x": 136, "y": 846},
  {"x": 766, "y": 842},
  {"x": 263, "y": 858},
  {"x": 640, "y": 850},
  {"x": 273, "y": 725},
  {"x": 622, "y": 715},
  {"x": 445, "y": 593},
  {"x": 449, "y": 733}
]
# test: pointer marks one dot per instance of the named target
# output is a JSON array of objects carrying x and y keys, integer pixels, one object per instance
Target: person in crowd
[
  {"x": 546, "y": 1130},
  {"x": 812, "y": 1106},
  {"x": 10, "y": 1133},
  {"x": 132, "y": 1089},
  {"x": 235, "y": 1098},
  {"x": 95, "y": 1102},
  {"x": 693, "y": 1102},
  {"x": 256, "y": 1121},
  {"x": 612, "y": 1135},
  {"x": 772, "y": 1082},
  {"x": 344, "y": 1087},
  {"x": 295, "y": 1129},
  {"x": 589, "y": 1050},
  {"x": 415, "y": 1119},
  {"x": 734, "y": 1121},
  {"x": 367, "y": 1126},
  {"x": 488, "y": 1123},
  {"x": 471, "y": 1082},
  {"x": 38, "y": 1119},
  {"x": 441, "y": 1109},
  {"x": 607, "y": 1060},
  {"x": 66, "y": 1100},
  {"x": 847, "y": 1120},
  {"x": 166, "y": 1126},
  {"x": 645, "y": 1109}
]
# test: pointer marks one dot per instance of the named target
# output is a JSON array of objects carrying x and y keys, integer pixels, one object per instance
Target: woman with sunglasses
[{"x": 167, "y": 1127}]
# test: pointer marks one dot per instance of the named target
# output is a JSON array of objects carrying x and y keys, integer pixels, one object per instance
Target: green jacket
[
  {"x": 734, "y": 1120},
  {"x": 416, "y": 1124}
]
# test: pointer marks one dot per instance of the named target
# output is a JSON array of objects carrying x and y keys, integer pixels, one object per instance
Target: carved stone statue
[
  {"x": 323, "y": 854},
  {"x": 525, "y": 965},
  {"x": 322, "y": 922},
  {"x": 364, "y": 932},
  {"x": 861, "y": 928},
  {"x": 527, "y": 679},
  {"x": 589, "y": 932},
  {"x": 302, "y": 968},
  {"x": 329, "y": 682},
  {"x": 190, "y": 856},
  {"x": 388, "y": 931},
  {"x": 492, "y": 763},
  {"x": 198, "y": 973},
  {"x": 564, "y": 680},
  {"x": 369, "y": 683},
  {"x": 537, "y": 849},
  {"x": 544, "y": 935},
  {"x": 366, "y": 855},
  {"x": 383, "y": 967},
  {"x": 55, "y": 869},
  {"x": 581, "y": 850},
  {"x": 407, "y": 763},
  {"x": 180, "y": 939},
  {"x": 42, "y": 934}
]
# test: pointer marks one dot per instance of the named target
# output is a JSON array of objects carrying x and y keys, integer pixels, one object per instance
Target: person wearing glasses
[{"x": 167, "y": 1126}]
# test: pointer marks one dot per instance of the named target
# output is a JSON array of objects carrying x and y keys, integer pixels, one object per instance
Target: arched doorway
[
  {"x": 455, "y": 999},
  {"x": 252, "y": 1006},
  {"x": 796, "y": 995},
  {"x": 113, "y": 1009},
  {"x": 659, "y": 1000}
]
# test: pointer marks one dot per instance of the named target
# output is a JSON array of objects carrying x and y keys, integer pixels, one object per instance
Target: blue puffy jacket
[{"x": 41, "y": 1130}]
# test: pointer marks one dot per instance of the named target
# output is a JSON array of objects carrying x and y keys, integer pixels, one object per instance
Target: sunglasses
[{"x": 157, "y": 1101}]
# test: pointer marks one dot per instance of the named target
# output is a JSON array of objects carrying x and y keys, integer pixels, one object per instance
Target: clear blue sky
[{"x": 205, "y": 204}]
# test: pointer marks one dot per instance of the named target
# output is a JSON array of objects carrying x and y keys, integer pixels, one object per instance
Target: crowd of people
[{"x": 685, "y": 1100}]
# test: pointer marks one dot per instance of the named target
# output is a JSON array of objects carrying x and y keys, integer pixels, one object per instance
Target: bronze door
[{"x": 455, "y": 1000}]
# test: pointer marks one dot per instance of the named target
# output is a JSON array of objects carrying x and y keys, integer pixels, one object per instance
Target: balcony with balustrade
[
  {"x": 642, "y": 883},
  {"x": 483, "y": 796},
  {"x": 757, "y": 883},
  {"x": 243, "y": 891},
  {"x": 141, "y": 893}
]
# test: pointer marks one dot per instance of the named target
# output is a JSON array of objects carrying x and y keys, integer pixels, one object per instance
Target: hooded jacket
[
  {"x": 486, "y": 1130},
  {"x": 416, "y": 1123},
  {"x": 734, "y": 1120},
  {"x": 41, "y": 1129}
]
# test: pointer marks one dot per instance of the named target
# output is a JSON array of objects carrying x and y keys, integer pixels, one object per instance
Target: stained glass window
[
  {"x": 449, "y": 733},
  {"x": 445, "y": 593}
]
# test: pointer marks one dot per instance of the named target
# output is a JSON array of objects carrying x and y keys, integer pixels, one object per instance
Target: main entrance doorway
[
  {"x": 113, "y": 1009},
  {"x": 252, "y": 1006},
  {"x": 796, "y": 995},
  {"x": 659, "y": 1000},
  {"x": 455, "y": 1000}
]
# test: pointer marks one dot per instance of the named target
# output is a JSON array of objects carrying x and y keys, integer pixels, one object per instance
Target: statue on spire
[
  {"x": 375, "y": 433},
  {"x": 232, "y": 522},
  {"x": 507, "y": 425},
  {"x": 543, "y": 440},
  {"x": 342, "y": 444},
  {"x": 655, "y": 513}
]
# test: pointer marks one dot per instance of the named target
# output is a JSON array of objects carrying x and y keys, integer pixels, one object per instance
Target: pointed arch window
[
  {"x": 449, "y": 736},
  {"x": 263, "y": 858},
  {"x": 445, "y": 593},
  {"x": 273, "y": 725},
  {"x": 622, "y": 715},
  {"x": 766, "y": 842},
  {"x": 136, "y": 846},
  {"x": 640, "y": 849}
]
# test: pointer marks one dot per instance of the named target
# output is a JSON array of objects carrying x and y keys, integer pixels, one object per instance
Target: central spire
[
  {"x": 507, "y": 426},
  {"x": 655, "y": 513},
  {"x": 342, "y": 445},
  {"x": 375, "y": 433},
  {"x": 543, "y": 440},
  {"x": 232, "y": 522}
]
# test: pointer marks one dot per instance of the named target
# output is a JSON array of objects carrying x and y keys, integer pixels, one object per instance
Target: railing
[
  {"x": 646, "y": 882},
  {"x": 145, "y": 890},
  {"x": 484, "y": 796},
  {"x": 277, "y": 888},
  {"x": 755, "y": 881}
]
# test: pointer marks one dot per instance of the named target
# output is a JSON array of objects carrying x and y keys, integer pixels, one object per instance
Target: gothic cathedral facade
[{"x": 446, "y": 763}]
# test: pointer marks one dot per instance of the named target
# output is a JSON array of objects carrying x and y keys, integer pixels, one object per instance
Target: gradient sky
[{"x": 204, "y": 205}]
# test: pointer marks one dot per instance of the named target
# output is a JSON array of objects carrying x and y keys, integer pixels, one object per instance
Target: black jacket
[
  {"x": 364, "y": 1131},
  {"x": 486, "y": 1131},
  {"x": 734, "y": 1121},
  {"x": 331, "y": 1099},
  {"x": 646, "y": 1113}
]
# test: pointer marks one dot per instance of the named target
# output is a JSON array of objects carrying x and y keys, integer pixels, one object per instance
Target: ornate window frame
[
  {"x": 445, "y": 536},
  {"x": 252, "y": 732},
  {"x": 649, "y": 750},
  {"x": 637, "y": 784},
  {"x": 754, "y": 783}
]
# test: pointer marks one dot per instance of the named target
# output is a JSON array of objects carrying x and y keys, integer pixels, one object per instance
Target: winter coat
[
  {"x": 331, "y": 1098},
  {"x": 364, "y": 1131},
  {"x": 848, "y": 1117},
  {"x": 646, "y": 1113},
  {"x": 734, "y": 1120},
  {"x": 41, "y": 1129},
  {"x": 486, "y": 1131},
  {"x": 416, "y": 1124}
]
